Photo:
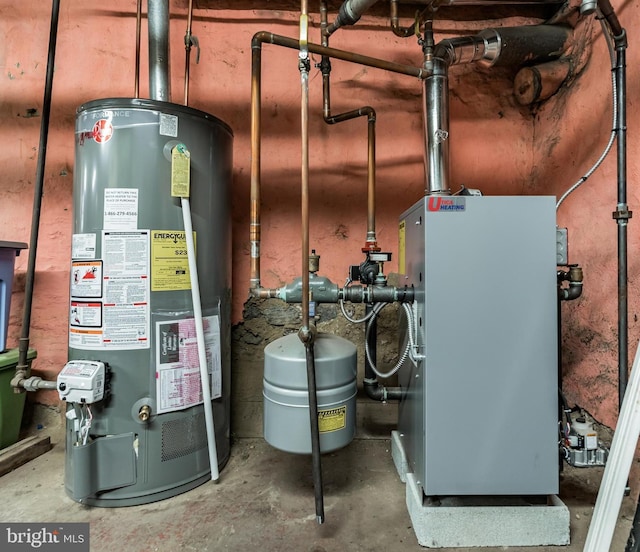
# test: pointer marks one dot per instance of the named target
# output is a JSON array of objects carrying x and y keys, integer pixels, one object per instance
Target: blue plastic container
[{"x": 8, "y": 253}]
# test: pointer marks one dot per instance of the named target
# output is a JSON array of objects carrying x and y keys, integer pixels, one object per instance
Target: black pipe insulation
[
  {"x": 531, "y": 44},
  {"x": 315, "y": 430},
  {"x": 22, "y": 366},
  {"x": 507, "y": 46}
]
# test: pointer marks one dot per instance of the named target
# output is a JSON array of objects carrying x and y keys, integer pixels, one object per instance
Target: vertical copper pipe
[
  {"x": 368, "y": 112},
  {"x": 187, "y": 47},
  {"x": 136, "y": 88},
  {"x": 371, "y": 178},
  {"x": 256, "y": 108}
]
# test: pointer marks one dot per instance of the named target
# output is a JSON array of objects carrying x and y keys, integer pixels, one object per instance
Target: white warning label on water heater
[
  {"x": 110, "y": 297},
  {"x": 177, "y": 363},
  {"x": 120, "y": 209}
]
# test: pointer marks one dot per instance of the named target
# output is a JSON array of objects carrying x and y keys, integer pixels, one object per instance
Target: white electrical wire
[
  {"x": 408, "y": 313},
  {"x": 355, "y": 320},
  {"x": 614, "y": 130}
]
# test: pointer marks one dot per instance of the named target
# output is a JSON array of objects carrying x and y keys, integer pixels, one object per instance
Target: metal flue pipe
[
  {"x": 507, "y": 46},
  {"x": 158, "y": 22}
]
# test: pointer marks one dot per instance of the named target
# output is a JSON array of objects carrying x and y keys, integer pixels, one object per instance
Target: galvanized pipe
[
  {"x": 622, "y": 216},
  {"x": 158, "y": 22},
  {"x": 22, "y": 368}
]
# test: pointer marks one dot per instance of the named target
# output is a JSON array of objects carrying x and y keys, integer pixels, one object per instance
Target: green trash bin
[{"x": 11, "y": 404}]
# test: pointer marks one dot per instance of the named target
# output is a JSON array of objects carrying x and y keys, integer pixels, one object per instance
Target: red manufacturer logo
[{"x": 102, "y": 131}]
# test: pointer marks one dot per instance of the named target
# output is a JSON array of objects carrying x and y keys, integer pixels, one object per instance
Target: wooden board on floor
[{"x": 22, "y": 452}]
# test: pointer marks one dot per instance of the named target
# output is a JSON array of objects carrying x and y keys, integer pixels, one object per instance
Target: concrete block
[{"x": 491, "y": 521}]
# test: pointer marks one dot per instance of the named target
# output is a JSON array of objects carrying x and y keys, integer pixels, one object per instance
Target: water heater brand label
[
  {"x": 102, "y": 131},
  {"x": 440, "y": 203}
]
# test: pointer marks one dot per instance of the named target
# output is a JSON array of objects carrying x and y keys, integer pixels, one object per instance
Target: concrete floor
[{"x": 264, "y": 501}]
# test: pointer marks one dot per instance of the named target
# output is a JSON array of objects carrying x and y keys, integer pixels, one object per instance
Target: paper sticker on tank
[
  {"x": 85, "y": 314},
  {"x": 169, "y": 262},
  {"x": 168, "y": 125},
  {"x": 402, "y": 240},
  {"x": 332, "y": 419},
  {"x": 178, "y": 366},
  {"x": 83, "y": 246},
  {"x": 120, "y": 209},
  {"x": 86, "y": 279}
]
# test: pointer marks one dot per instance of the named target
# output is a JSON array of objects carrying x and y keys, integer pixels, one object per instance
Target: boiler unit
[
  {"x": 136, "y": 423},
  {"x": 480, "y": 393}
]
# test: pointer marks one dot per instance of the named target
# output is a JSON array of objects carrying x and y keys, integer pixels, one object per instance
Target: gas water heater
[{"x": 135, "y": 419}]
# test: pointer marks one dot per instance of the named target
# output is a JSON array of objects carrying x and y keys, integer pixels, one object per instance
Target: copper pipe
[
  {"x": 187, "y": 47},
  {"x": 402, "y": 32},
  {"x": 371, "y": 179},
  {"x": 256, "y": 124},
  {"x": 366, "y": 111},
  {"x": 136, "y": 88},
  {"x": 286, "y": 42}
]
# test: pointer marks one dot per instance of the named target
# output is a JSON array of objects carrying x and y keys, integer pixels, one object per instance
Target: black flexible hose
[
  {"x": 39, "y": 186},
  {"x": 315, "y": 431}
]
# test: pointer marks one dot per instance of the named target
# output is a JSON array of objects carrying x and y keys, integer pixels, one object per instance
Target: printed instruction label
[
  {"x": 332, "y": 419},
  {"x": 118, "y": 317},
  {"x": 120, "y": 209},
  {"x": 178, "y": 383},
  {"x": 85, "y": 315},
  {"x": 169, "y": 261},
  {"x": 168, "y": 125},
  {"x": 83, "y": 246}
]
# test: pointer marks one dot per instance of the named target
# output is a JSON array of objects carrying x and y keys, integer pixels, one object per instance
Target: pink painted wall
[{"x": 496, "y": 146}]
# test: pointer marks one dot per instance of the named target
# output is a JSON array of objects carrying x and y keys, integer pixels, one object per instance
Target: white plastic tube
[
  {"x": 202, "y": 355},
  {"x": 616, "y": 472}
]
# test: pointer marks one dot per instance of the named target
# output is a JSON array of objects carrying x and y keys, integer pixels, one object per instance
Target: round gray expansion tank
[
  {"x": 286, "y": 399},
  {"x": 125, "y": 144}
]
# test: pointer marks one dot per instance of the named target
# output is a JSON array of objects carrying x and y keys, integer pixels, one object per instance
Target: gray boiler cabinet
[{"x": 479, "y": 412}]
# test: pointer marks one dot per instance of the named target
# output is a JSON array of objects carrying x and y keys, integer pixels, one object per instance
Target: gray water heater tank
[
  {"x": 130, "y": 300},
  {"x": 286, "y": 399}
]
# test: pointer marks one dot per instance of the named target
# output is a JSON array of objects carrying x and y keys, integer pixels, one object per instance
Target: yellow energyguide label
[
  {"x": 332, "y": 419},
  {"x": 401, "y": 247},
  {"x": 169, "y": 261}
]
